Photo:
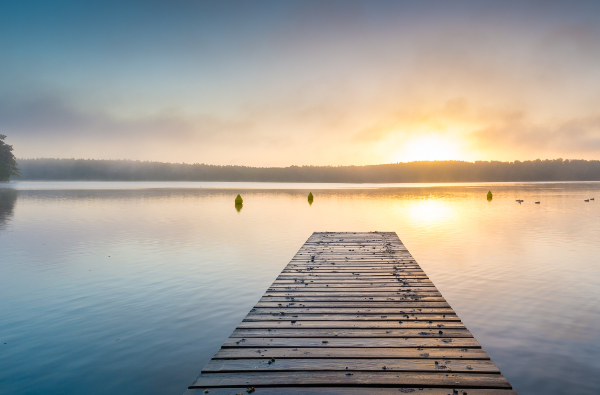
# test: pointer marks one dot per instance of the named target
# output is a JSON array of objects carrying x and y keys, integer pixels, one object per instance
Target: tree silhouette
[
  {"x": 8, "y": 164},
  {"x": 424, "y": 171}
]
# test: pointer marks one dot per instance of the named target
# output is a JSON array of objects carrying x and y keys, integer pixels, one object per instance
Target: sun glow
[
  {"x": 429, "y": 212},
  {"x": 429, "y": 147}
]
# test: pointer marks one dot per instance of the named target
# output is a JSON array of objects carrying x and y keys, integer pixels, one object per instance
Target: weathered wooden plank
[
  {"x": 345, "y": 277},
  {"x": 355, "y": 279},
  {"x": 352, "y": 313},
  {"x": 398, "y": 286},
  {"x": 345, "y": 269},
  {"x": 339, "y": 324},
  {"x": 385, "y": 264},
  {"x": 376, "y": 256},
  {"x": 368, "y": 267},
  {"x": 343, "y": 259},
  {"x": 325, "y": 298},
  {"x": 351, "y": 333},
  {"x": 348, "y": 264},
  {"x": 371, "y": 342},
  {"x": 350, "y": 352},
  {"x": 334, "y": 293},
  {"x": 345, "y": 244},
  {"x": 358, "y": 254},
  {"x": 326, "y": 292},
  {"x": 335, "y": 265},
  {"x": 386, "y": 364},
  {"x": 438, "y": 379},
  {"x": 361, "y": 281},
  {"x": 355, "y": 248},
  {"x": 346, "y": 391},
  {"x": 353, "y": 310},
  {"x": 353, "y": 251},
  {"x": 358, "y": 249},
  {"x": 343, "y": 272},
  {"x": 354, "y": 254},
  {"x": 342, "y": 319},
  {"x": 399, "y": 305},
  {"x": 376, "y": 291},
  {"x": 357, "y": 298},
  {"x": 363, "y": 271},
  {"x": 396, "y": 249},
  {"x": 351, "y": 255},
  {"x": 329, "y": 268}
]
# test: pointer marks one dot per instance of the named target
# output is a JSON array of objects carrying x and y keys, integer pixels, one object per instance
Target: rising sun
[{"x": 429, "y": 147}]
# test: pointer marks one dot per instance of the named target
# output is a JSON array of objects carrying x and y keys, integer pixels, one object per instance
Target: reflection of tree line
[
  {"x": 8, "y": 198},
  {"x": 436, "y": 171}
]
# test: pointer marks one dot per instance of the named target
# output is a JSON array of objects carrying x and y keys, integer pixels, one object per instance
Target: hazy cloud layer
[{"x": 301, "y": 82}]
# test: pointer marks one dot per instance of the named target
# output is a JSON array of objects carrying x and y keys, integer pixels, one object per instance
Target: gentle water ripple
[{"x": 132, "y": 287}]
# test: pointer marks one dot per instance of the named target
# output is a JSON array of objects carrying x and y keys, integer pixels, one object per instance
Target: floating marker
[
  {"x": 489, "y": 195},
  {"x": 239, "y": 200},
  {"x": 310, "y": 196}
]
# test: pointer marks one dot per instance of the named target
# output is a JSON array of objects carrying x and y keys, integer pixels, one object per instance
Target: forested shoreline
[{"x": 422, "y": 171}]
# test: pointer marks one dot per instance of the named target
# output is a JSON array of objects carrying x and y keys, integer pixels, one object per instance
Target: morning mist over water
[
  {"x": 149, "y": 279},
  {"x": 162, "y": 161}
]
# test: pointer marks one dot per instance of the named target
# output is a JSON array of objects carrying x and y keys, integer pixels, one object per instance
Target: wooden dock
[{"x": 352, "y": 313}]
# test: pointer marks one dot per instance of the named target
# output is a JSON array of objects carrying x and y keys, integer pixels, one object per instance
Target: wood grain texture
[
  {"x": 352, "y": 333},
  {"x": 348, "y": 324},
  {"x": 413, "y": 313},
  {"x": 346, "y": 391},
  {"x": 362, "y": 304},
  {"x": 349, "y": 352},
  {"x": 352, "y": 313},
  {"x": 350, "y": 364},
  {"x": 371, "y": 342},
  {"x": 383, "y": 378}
]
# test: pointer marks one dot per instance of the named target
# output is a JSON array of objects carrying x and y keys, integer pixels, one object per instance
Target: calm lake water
[{"x": 130, "y": 288}]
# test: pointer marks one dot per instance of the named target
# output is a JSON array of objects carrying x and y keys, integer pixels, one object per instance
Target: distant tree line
[
  {"x": 8, "y": 164},
  {"x": 421, "y": 171}
]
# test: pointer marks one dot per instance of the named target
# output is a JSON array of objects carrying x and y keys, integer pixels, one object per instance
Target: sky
[{"x": 280, "y": 83}]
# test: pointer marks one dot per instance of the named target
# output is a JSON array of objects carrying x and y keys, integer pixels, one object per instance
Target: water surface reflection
[
  {"x": 8, "y": 198},
  {"x": 133, "y": 290}
]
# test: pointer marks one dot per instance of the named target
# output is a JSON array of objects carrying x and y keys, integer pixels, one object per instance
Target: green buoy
[
  {"x": 310, "y": 198},
  {"x": 489, "y": 195},
  {"x": 239, "y": 200}
]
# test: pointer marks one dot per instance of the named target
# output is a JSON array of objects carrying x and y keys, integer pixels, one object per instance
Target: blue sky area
[{"x": 300, "y": 82}]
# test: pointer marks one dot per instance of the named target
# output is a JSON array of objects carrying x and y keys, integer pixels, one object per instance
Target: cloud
[
  {"x": 52, "y": 127},
  {"x": 52, "y": 116},
  {"x": 518, "y": 134},
  {"x": 410, "y": 121},
  {"x": 312, "y": 83}
]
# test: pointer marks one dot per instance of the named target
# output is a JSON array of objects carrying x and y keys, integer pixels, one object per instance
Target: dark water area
[{"x": 130, "y": 288}]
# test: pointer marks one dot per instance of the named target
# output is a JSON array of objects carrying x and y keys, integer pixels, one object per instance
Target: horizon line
[{"x": 288, "y": 166}]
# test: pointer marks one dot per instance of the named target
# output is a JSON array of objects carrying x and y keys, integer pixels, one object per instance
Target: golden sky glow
[{"x": 299, "y": 83}]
